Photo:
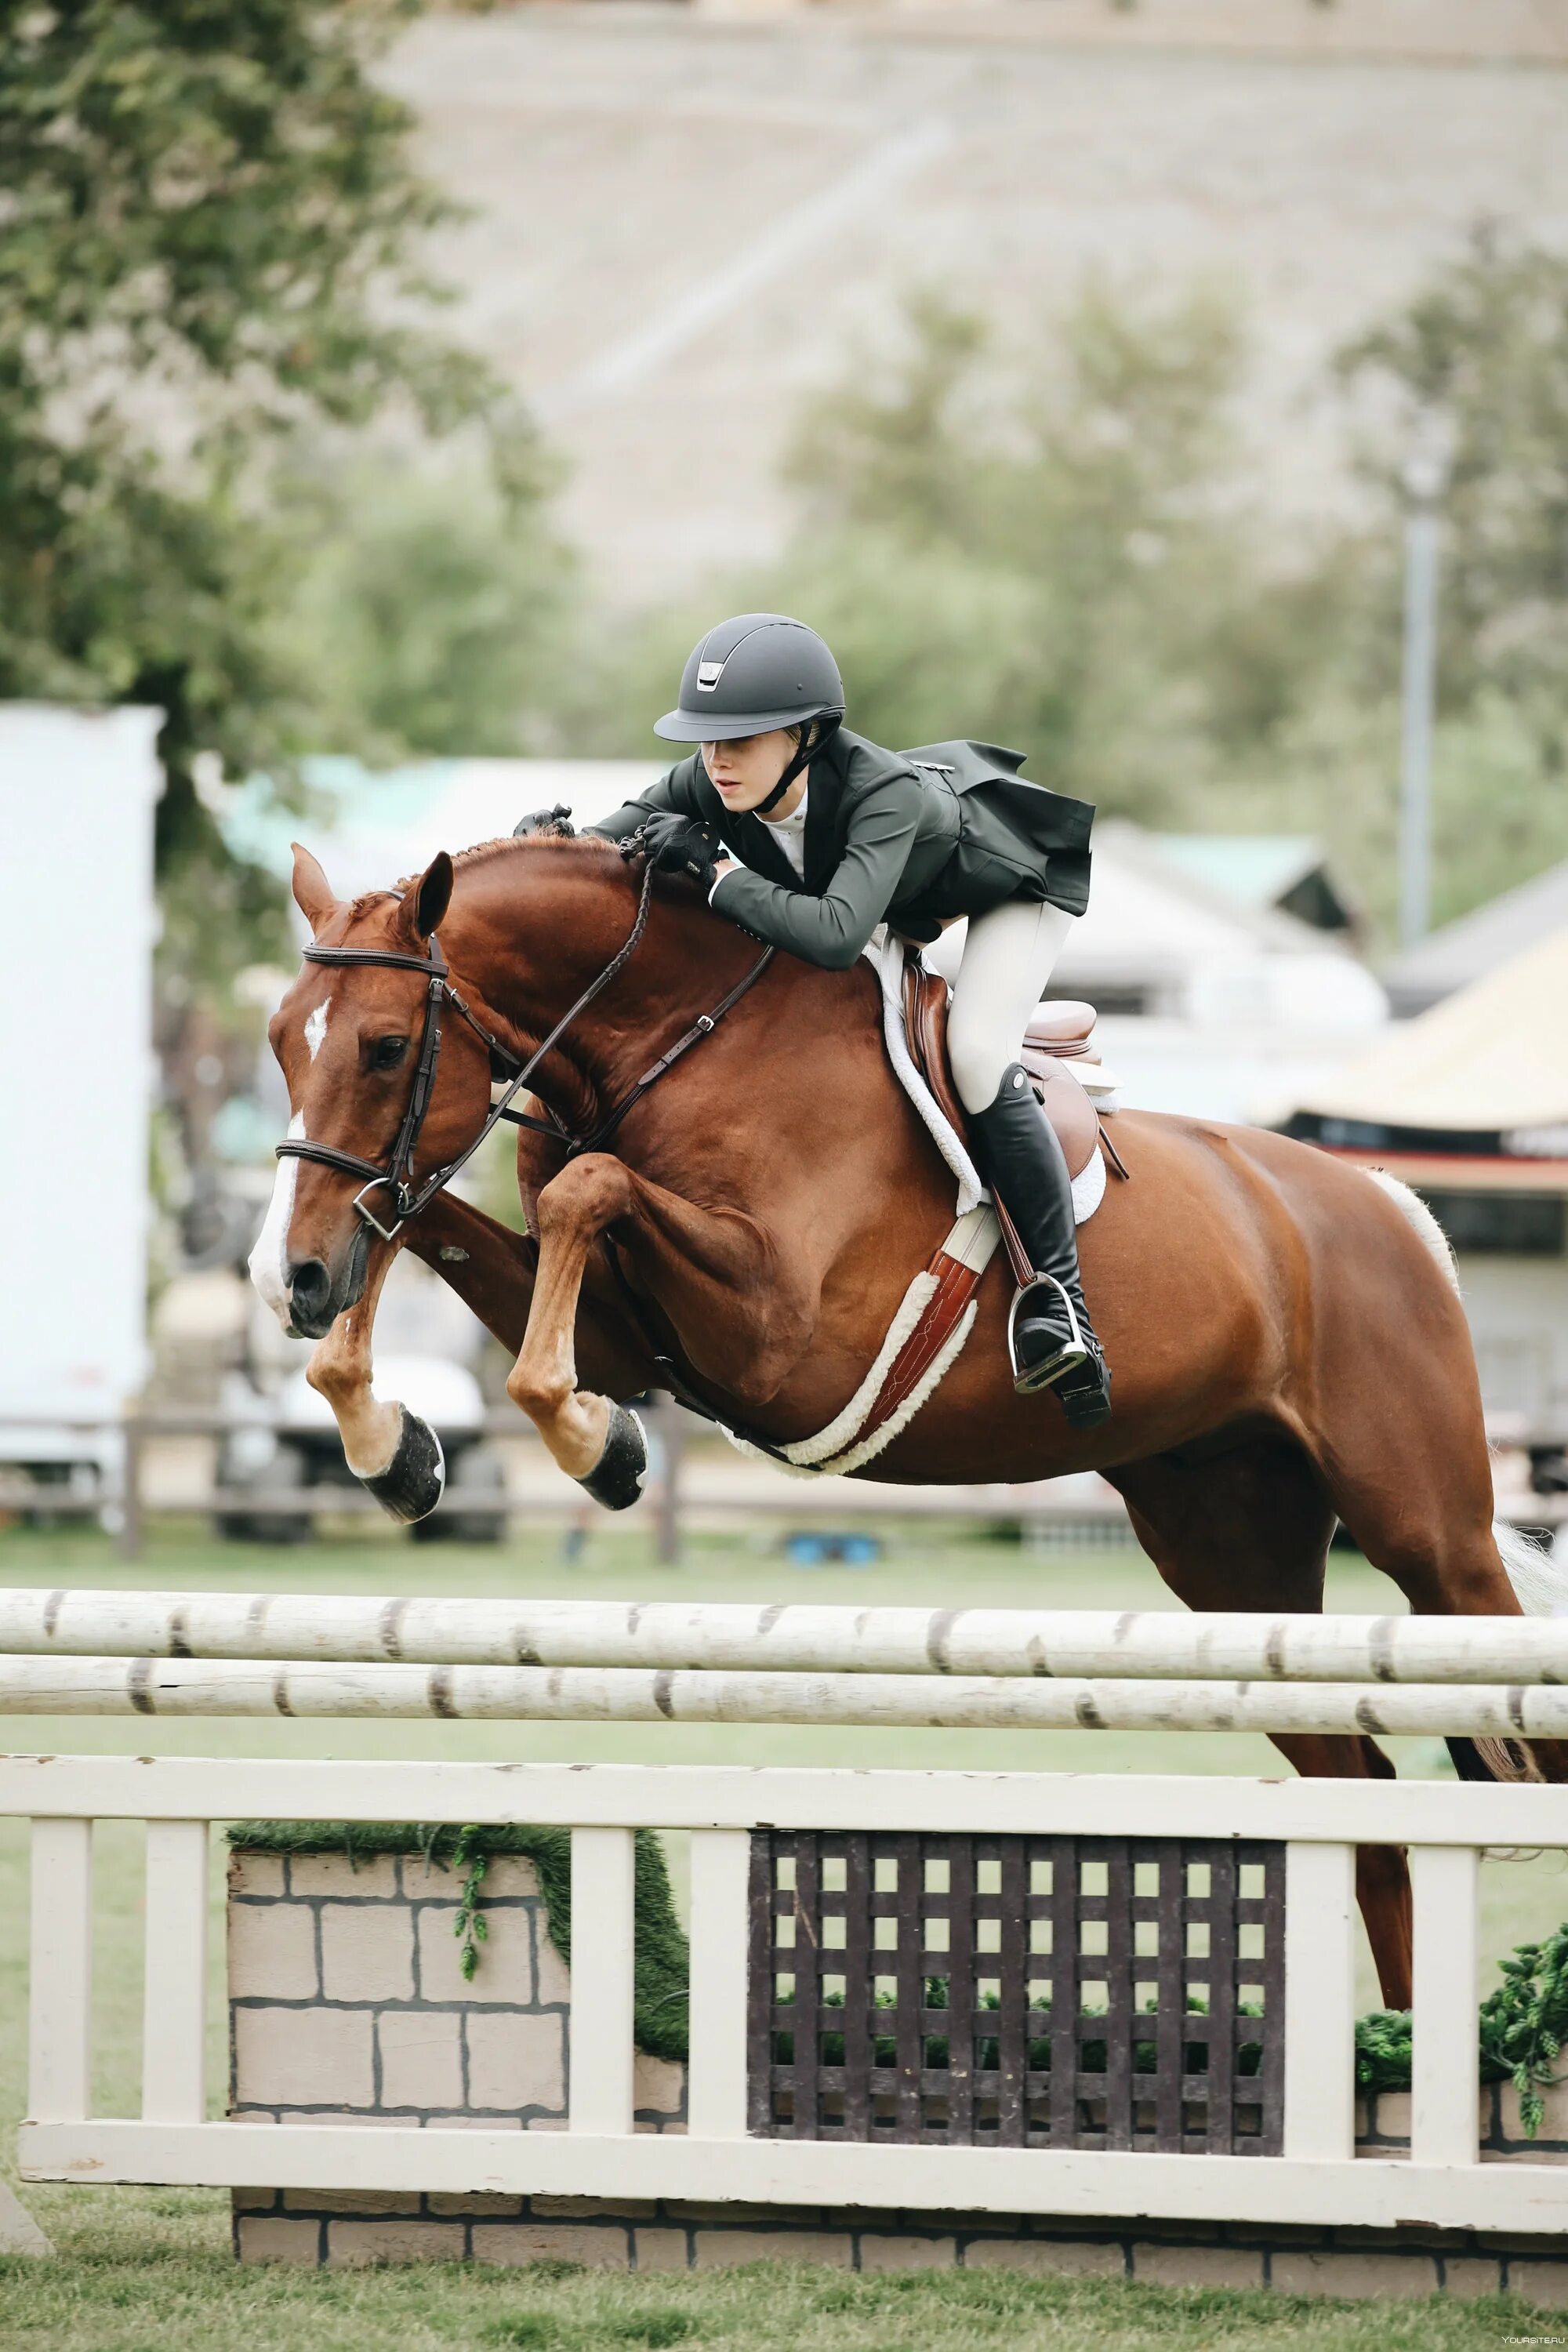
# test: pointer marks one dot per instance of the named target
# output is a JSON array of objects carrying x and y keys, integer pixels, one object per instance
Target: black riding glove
[
  {"x": 557, "y": 821},
  {"x": 682, "y": 845}
]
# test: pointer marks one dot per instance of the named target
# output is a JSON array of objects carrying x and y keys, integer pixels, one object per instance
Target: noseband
[{"x": 398, "y": 1175}]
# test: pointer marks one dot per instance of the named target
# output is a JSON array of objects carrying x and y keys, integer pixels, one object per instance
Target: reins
[{"x": 397, "y": 1174}]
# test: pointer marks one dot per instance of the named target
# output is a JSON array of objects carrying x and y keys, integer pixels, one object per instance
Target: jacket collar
[
  {"x": 825, "y": 781},
  {"x": 756, "y": 844}
]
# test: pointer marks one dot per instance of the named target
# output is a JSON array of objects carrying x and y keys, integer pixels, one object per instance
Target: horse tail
[
  {"x": 1540, "y": 1580},
  {"x": 1422, "y": 1223}
]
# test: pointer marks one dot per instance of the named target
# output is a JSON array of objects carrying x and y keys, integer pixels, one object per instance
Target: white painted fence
[
  {"x": 347, "y": 1656},
  {"x": 1316, "y": 2180}
]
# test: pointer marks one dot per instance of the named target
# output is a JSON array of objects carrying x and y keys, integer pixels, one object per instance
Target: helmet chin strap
[{"x": 814, "y": 735}]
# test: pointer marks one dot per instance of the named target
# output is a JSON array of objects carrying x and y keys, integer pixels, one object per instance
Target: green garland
[
  {"x": 1523, "y": 2028},
  {"x": 1524, "y": 2024},
  {"x": 661, "y": 1966}
]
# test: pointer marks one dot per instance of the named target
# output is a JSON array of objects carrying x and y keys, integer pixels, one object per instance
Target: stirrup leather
[{"x": 1074, "y": 1350}]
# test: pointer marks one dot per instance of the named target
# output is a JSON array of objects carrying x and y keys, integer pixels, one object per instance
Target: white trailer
[{"x": 78, "y": 790}]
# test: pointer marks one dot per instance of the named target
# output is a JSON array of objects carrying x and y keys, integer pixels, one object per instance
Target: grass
[
  {"x": 150, "y": 2270},
  {"x": 142, "y": 2291}
]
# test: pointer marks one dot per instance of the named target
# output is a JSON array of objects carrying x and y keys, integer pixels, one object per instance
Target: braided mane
[{"x": 482, "y": 852}]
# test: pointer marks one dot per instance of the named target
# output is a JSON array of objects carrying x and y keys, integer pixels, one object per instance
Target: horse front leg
[
  {"x": 394, "y": 1456},
  {"x": 595, "y": 1440},
  {"x": 711, "y": 1260},
  {"x": 493, "y": 1270}
]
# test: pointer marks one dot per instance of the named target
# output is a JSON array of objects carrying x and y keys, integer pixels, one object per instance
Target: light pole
[{"x": 1426, "y": 479}]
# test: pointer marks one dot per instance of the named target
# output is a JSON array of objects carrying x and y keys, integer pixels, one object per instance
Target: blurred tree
[
  {"x": 1481, "y": 357},
  {"x": 212, "y": 231},
  {"x": 1142, "y": 636},
  {"x": 1479, "y": 360},
  {"x": 1072, "y": 554},
  {"x": 431, "y": 606},
  {"x": 1064, "y": 558}
]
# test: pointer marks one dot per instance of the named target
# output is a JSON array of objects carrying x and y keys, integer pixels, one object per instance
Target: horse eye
[{"x": 385, "y": 1052}]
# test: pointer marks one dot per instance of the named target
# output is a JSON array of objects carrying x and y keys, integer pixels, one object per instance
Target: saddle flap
[{"x": 1061, "y": 1095}]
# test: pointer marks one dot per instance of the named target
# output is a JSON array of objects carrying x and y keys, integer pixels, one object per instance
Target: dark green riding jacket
[{"x": 911, "y": 838}]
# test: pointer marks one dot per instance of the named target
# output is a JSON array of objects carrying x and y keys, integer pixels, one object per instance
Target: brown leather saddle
[
  {"x": 1057, "y": 1034},
  {"x": 1050, "y": 1040}
]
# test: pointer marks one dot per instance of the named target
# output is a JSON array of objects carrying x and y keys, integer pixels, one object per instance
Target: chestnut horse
[{"x": 1286, "y": 1334}]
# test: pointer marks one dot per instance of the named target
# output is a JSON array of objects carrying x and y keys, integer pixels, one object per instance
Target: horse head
[{"x": 349, "y": 1039}]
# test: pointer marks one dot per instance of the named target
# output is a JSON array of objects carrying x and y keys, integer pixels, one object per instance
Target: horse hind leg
[
  {"x": 1381, "y": 1873},
  {"x": 1249, "y": 1529},
  {"x": 1400, "y": 1440}
]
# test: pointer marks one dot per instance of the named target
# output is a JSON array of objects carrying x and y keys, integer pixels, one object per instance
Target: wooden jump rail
[
  {"x": 1040, "y": 1644},
  {"x": 317, "y": 1688}
]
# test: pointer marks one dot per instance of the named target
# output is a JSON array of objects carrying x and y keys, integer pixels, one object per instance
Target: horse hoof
[
  {"x": 415, "y": 1479},
  {"x": 618, "y": 1476}
]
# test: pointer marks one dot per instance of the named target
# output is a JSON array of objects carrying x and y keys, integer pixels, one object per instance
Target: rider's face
[{"x": 745, "y": 771}]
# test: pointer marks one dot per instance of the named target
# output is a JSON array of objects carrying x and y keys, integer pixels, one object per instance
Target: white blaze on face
[
  {"x": 270, "y": 1258},
  {"x": 316, "y": 1027}
]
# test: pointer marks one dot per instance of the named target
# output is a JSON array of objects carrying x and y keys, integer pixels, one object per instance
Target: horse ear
[
  {"x": 312, "y": 892},
  {"x": 427, "y": 903}
]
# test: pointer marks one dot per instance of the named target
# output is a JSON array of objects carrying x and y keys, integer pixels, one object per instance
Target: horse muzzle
[{"x": 316, "y": 1297}]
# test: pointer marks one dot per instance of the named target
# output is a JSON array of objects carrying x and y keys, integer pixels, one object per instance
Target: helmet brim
[{"x": 733, "y": 726}]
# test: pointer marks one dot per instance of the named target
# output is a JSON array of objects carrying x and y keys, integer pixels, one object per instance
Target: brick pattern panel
[
  {"x": 1018, "y": 1991},
  {"x": 656, "y": 2235},
  {"x": 346, "y": 2000}
]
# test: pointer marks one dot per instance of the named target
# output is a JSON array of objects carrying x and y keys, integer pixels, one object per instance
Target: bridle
[{"x": 397, "y": 1174}]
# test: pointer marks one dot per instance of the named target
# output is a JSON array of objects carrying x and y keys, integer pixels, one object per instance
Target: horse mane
[{"x": 485, "y": 853}]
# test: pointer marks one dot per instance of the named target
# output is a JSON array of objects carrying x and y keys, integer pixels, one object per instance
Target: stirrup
[{"x": 1074, "y": 1351}]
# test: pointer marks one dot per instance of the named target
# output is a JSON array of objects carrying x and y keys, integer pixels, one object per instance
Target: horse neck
[{"x": 585, "y": 908}]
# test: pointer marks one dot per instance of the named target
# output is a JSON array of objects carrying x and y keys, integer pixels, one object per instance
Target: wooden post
[
  {"x": 670, "y": 1429},
  {"x": 1445, "y": 2080},
  {"x": 721, "y": 1874},
  {"x": 61, "y": 1983},
  {"x": 127, "y": 1542},
  {"x": 174, "y": 2037},
  {"x": 603, "y": 1929},
  {"x": 1320, "y": 2002}
]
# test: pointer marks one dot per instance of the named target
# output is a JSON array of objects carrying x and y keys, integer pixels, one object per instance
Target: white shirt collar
[{"x": 795, "y": 822}]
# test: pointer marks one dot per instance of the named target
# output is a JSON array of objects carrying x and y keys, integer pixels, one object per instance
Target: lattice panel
[{"x": 1018, "y": 1991}]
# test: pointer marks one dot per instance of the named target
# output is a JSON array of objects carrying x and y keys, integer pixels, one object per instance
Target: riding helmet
[{"x": 759, "y": 671}]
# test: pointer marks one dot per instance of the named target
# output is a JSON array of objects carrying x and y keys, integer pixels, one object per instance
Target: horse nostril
[{"x": 310, "y": 1285}]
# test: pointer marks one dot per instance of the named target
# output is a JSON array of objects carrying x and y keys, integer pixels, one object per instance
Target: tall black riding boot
[{"x": 1050, "y": 1333}]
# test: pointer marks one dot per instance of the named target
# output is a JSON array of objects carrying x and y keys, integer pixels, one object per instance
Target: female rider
[{"x": 827, "y": 835}]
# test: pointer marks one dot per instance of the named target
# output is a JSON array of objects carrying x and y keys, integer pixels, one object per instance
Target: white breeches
[{"x": 1006, "y": 960}]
